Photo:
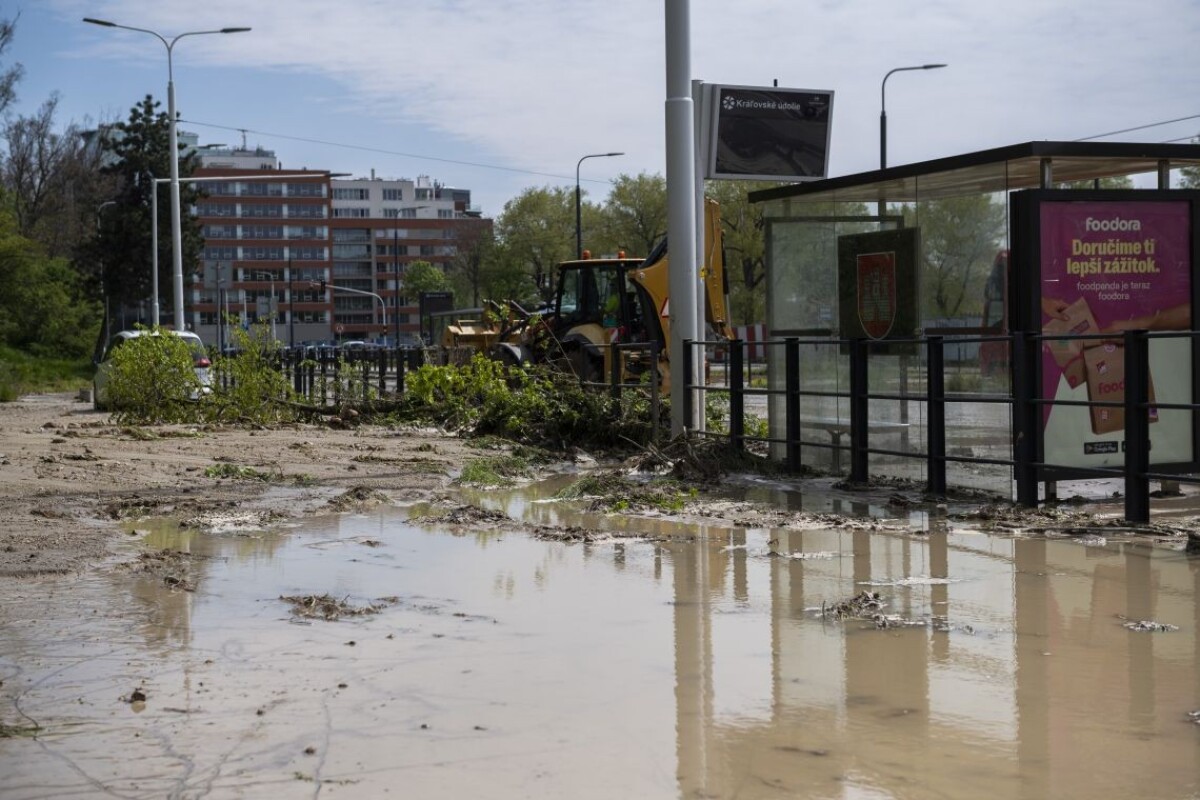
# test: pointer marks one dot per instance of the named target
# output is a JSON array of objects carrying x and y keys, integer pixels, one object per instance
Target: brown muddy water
[{"x": 505, "y": 667}]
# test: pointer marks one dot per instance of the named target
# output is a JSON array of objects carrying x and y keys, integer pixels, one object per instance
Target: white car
[{"x": 100, "y": 380}]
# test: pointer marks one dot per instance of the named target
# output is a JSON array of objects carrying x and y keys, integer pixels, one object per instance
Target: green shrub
[
  {"x": 248, "y": 387},
  {"x": 152, "y": 379}
]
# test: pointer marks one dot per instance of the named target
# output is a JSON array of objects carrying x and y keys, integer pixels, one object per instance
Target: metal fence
[{"x": 787, "y": 390}]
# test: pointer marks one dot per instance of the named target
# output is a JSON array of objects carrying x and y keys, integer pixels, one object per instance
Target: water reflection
[
  {"x": 691, "y": 669},
  {"x": 1024, "y": 687}
]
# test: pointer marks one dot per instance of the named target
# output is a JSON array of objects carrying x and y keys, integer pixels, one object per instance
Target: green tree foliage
[
  {"x": 152, "y": 380},
  {"x": 10, "y": 76},
  {"x": 121, "y": 249},
  {"x": 959, "y": 240},
  {"x": 1190, "y": 176},
  {"x": 421, "y": 276},
  {"x": 54, "y": 181},
  {"x": 634, "y": 218},
  {"x": 44, "y": 305},
  {"x": 1116, "y": 182},
  {"x": 536, "y": 230},
  {"x": 249, "y": 387}
]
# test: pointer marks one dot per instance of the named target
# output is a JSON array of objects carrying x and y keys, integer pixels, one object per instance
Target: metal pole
[
  {"x": 579, "y": 202},
  {"x": 396, "y": 257},
  {"x": 1137, "y": 427},
  {"x": 176, "y": 223},
  {"x": 154, "y": 312},
  {"x": 681, "y": 210},
  {"x": 291, "y": 304}
]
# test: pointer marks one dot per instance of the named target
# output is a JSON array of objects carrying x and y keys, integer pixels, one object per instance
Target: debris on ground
[
  {"x": 863, "y": 605},
  {"x": 358, "y": 497},
  {"x": 172, "y": 567},
  {"x": 1148, "y": 625},
  {"x": 1194, "y": 716},
  {"x": 462, "y": 515},
  {"x": 329, "y": 608}
]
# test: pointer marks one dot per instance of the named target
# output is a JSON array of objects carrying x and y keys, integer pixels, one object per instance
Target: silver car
[{"x": 101, "y": 379}]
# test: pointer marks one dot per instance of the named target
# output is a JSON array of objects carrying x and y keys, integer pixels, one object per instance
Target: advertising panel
[
  {"x": 1108, "y": 267},
  {"x": 769, "y": 133}
]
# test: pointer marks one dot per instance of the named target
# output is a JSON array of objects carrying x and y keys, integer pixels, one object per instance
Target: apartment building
[{"x": 272, "y": 236}]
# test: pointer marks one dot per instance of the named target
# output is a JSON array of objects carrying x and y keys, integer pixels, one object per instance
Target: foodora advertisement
[{"x": 1108, "y": 267}]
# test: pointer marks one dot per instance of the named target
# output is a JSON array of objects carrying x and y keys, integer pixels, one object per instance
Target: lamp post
[
  {"x": 103, "y": 270},
  {"x": 176, "y": 224},
  {"x": 579, "y": 204},
  {"x": 883, "y": 106},
  {"x": 271, "y": 305},
  {"x": 291, "y": 306},
  {"x": 382, "y": 306}
]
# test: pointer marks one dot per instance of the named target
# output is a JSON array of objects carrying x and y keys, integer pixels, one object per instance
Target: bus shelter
[{"x": 1027, "y": 264}]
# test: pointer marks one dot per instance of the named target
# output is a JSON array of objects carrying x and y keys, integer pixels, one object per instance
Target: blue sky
[{"x": 498, "y": 96}]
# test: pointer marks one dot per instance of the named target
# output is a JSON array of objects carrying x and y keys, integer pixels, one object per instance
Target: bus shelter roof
[{"x": 1018, "y": 166}]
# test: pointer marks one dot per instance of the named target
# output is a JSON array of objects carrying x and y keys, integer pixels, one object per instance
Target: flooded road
[{"x": 501, "y": 666}]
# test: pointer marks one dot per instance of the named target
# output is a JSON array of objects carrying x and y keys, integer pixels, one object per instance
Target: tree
[
  {"x": 12, "y": 75},
  {"x": 959, "y": 240},
  {"x": 635, "y": 214},
  {"x": 122, "y": 247},
  {"x": 44, "y": 308},
  {"x": 1190, "y": 176},
  {"x": 536, "y": 230},
  {"x": 421, "y": 276},
  {"x": 54, "y": 180},
  {"x": 745, "y": 247}
]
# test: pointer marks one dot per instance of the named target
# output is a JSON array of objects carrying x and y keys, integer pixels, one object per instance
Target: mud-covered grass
[
  {"x": 329, "y": 608},
  {"x": 496, "y": 470},
  {"x": 613, "y": 492}
]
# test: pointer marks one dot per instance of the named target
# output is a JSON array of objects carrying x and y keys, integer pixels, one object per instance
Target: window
[
  {"x": 353, "y": 193},
  {"x": 219, "y": 231},
  {"x": 354, "y": 213},
  {"x": 306, "y": 189},
  {"x": 306, "y": 211},
  {"x": 262, "y": 232},
  {"x": 406, "y": 213},
  {"x": 393, "y": 194},
  {"x": 216, "y": 210},
  {"x": 426, "y": 250},
  {"x": 351, "y": 234},
  {"x": 261, "y": 210},
  {"x": 350, "y": 269},
  {"x": 220, "y": 253},
  {"x": 424, "y": 194},
  {"x": 391, "y": 233},
  {"x": 308, "y": 254},
  {"x": 262, "y": 253},
  {"x": 305, "y": 232},
  {"x": 262, "y": 189},
  {"x": 445, "y": 213},
  {"x": 349, "y": 251},
  {"x": 221, "y": 188}
]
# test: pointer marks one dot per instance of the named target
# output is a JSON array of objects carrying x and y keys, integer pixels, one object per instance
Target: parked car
[{"x": 100, "y": 381}]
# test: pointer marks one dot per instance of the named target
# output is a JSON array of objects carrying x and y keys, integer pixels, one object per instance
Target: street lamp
[
  {"x": 578, "y": 204},
  {"x": 103, "y": 269},
  {"x": 271, "y": 305},
  {"x": 382, "y": 306},
  {"x": 883, "y": 112},
  {"x": 176, "y": 224}
]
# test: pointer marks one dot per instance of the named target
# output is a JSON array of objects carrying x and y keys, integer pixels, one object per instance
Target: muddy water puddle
[{"x": 502, "y": 666}]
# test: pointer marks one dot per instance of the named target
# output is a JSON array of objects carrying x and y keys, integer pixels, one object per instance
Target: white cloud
[{"x": 536, "y": 83}]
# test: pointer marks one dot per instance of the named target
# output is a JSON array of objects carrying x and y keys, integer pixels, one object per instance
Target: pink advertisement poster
[{"x": 1108, "y": 267}]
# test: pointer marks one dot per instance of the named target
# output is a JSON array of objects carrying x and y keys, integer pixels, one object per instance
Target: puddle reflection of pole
[
  {"x": 1141, "y": 592},
  {"x": 693, "y": 669},
  {"x": 1032, "y": 633}
]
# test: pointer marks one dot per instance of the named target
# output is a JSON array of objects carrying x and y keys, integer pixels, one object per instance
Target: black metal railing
[{"x": 1026, "y": 409}]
